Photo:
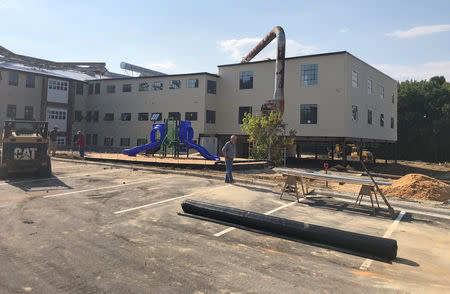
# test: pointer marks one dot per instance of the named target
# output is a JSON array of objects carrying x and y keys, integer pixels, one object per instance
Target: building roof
[
  {"x": 164, "y": 76},
  {"x": 57, "y": 73},
  {"x": 287, "y": 58}
]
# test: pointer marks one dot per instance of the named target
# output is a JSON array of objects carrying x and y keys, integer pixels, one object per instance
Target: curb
[{"x": 163, "y": 171}]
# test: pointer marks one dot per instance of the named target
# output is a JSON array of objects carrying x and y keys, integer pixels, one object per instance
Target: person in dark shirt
[
  {"x": 229, "y": 152},
  {"x": 53, "y": 136}
]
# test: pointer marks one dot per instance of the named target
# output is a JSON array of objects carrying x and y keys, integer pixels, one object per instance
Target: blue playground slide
[
  {"x": 186, "y": 135},
  {"x": 154, "y": 144}
]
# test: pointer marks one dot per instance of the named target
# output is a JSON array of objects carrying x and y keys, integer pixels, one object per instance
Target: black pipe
[{"x": 375, "y": 246}]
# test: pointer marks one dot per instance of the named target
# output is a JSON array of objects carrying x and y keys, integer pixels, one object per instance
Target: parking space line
[
  {"x": 168, "y": 200},
  {"x": 266, "y": 213},
  {"x": 368, "y": 262},
  {"x": 104, "y": 188},
  {"x": 53, "y": 178}
]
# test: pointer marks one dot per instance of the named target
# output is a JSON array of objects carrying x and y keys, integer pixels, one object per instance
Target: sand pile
[{"x": 417, "y": 186}]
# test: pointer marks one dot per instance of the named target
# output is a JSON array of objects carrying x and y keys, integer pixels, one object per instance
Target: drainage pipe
[{"x": 381, "y": 248}]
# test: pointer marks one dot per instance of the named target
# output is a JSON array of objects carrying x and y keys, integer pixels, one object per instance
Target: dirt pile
[{"x": 418, "y": 186}]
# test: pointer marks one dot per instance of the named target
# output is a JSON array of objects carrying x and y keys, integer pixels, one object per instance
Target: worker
[
  {"x": 53, "y": 135},
  {"x": 81, "y": 142},
  {"x": 229, "y": 152}
]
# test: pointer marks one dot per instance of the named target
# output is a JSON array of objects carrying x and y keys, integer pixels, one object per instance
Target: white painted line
[
  {"x": 54, "y": 178},
  {"x": 266, "y": 213},
  {"x": 103, "y": 188},
  {"x": 167, "y": 200},
  {"x": 368, "y": 262}
]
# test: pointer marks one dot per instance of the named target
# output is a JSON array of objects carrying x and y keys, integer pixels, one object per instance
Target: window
[
  {"x": 156, "y": 116},
  {"x": 243, "y": 110},
  {"x": 11, "y": 111},
  {"x": 89, "y": 116},
  {"x": 369, "y": 87},
  {"x": 190, "y": 116},
  {"x": 108, "y": 141},
  {"x": 90, "y": 89},
  {"x": 354, "y": 79},
  {"x": 210, "y": 117},
  {"x": 144, "y": 87},
  {"x": 97, "y": 88},
  {"x": 309, "y": 74},
  {"x": 158, "y": 86},
  {"x": 381, "y": 92},
  {"x": 31, "y": 80},
  {"x": 88, "y": 139},
  {"x": 126, "y": 88},
  {"x": 392, "y": 122},
  {"x": 175, "y": 84},
  {"x": 354, "y": 112},
  {"x": 0, "y": 75},
  {"x": 55, "y": 114},
  {"x": 28, "y": 114},
  {"x": 80, "y": 88},
  {"x": 393, "y": 97},
  {"x": 61, "y": 140},
  {"x": 124, "y": 141},
  {"x": 143, "y": 116},
  {"x": 192, "y": 83},
  {"x": 141, "y": 141},
  {"x": 381, "y": 120},
  {"x": 211, "y": 87},
  {"x": 13, "y": 78},
  {"x": 246, "y": 80},
  {"x": 111, "y": 89},
  {"x": 96, "y": 115},
  {"x": 369, "y": 116},
  {"x": 78, "y": 115},
  {"x": 126, "y": 116},
  {"x": 308, "y": 114},
  {"x": 94, "y": 139},
  {"x": 109, "y": 116},
  {"x": 174, "y": 115}
]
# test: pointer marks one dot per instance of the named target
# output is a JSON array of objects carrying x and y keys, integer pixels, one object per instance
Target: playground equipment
[
  {"x": 154, "y": 144},
  {"x": 175, "y": 136}
]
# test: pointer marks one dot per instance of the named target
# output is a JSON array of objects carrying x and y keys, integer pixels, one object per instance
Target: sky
[{"x": 404, "y": 39}]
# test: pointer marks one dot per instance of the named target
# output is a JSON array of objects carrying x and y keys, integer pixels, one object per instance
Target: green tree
[
  {"x": 424, "y": 119},
  {"x": 267, "y": 136}
]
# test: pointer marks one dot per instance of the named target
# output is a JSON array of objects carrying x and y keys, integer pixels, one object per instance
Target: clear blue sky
[{"x": 406, "y": 39}]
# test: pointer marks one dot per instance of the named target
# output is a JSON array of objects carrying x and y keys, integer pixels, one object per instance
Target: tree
[
  {"x": 424, "y": 119},
  {"x": 267, "y": 136}
]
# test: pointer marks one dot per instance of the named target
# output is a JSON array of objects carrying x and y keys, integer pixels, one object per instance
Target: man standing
[
  {"x": 229, "y": 152},
  {"x": 81, "y": 142},
  {"x": 53, "y": 135}
]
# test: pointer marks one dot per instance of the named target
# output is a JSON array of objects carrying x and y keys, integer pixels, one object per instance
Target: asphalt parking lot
[{"x": 99, "y": 229}]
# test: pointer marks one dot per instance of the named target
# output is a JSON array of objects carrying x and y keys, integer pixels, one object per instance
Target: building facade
[{"x": 332, "y": 98}]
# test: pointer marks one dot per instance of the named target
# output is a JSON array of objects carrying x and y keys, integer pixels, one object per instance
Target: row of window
[
  {"x": 11, "y": 112},
  {"x": 144, "y": 116},
  {"x": 309, "y": 75},
  {"x": 211, "y": 87},
  {"x": 13, "y": 79},
  {"x": 58, "y": 85},
  {"x": 370, "y": 116},
  {"x": 370, "y": 90}
]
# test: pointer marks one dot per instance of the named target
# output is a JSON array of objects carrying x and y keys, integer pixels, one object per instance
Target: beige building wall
[
  {"x": 20, "y": 95},
  {"x": 164, "y": 101},
  {"x": 333, "y": 94},
  {"x": 375, "y": 102}
]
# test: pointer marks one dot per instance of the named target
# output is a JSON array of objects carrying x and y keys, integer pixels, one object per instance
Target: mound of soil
[{"x": 420, "y": 187}]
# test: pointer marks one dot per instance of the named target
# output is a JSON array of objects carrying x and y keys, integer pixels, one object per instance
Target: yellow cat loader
[
  {"x": 352, "y": 152},
  {"x": 24, "y": 148}
]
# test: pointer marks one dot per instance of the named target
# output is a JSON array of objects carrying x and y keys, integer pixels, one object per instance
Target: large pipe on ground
[
  {"x": 278, "y": 93},
  {"x": 382, "y": 248}
]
